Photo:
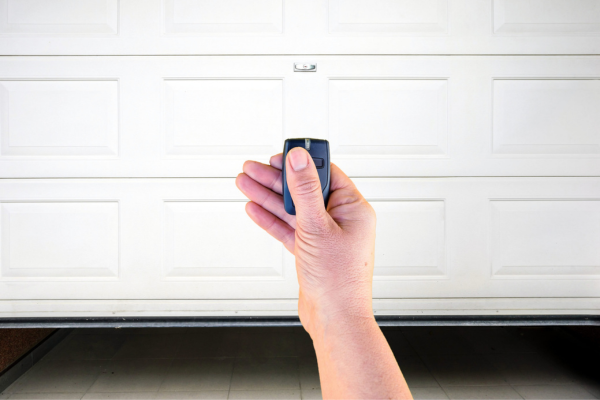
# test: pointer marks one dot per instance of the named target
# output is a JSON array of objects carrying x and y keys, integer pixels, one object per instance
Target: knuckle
[{"x": 369, "y": 211}]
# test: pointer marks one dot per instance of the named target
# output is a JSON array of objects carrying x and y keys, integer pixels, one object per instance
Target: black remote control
[{"x": 319, "y": 151}]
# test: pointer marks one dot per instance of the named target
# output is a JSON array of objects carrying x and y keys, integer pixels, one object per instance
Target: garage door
[{"x": 472, "y": 126}]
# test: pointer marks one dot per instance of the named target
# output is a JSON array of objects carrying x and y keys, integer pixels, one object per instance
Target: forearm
[{"x": 356, "y": 362}]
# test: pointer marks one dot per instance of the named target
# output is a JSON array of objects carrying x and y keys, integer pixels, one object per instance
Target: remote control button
[{"x": 319, "y": 162}]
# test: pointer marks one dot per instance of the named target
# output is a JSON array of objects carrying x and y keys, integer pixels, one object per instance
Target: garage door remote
[{"x": 319, "y": 151}]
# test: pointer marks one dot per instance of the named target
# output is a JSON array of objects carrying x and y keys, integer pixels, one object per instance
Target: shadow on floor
[{"x": 280, "y": 363}]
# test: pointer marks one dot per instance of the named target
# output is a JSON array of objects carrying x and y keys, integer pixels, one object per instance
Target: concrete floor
[{"x": 279, "y": 363}]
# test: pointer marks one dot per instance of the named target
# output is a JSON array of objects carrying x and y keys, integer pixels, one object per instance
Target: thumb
[{"x": 305, "y": 188}]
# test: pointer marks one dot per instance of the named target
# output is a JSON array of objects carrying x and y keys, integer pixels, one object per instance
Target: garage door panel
[
  {"x": 63, "y": 17},
  {"x": 385, "y": 16},
  {"x": 152, "y": 27},
  {"x": 60, "y": 240},
  {"x": 541, "y": 17},
  {"x": 223, "y": 16},
  {"x": 136, "y": 239},
  {"x": 384, "y": 116},
  {"x": 223, "y": 116},
  {"x": 542, "y": 249},
  {"x": 535, "y": 239},
  {"x": 65, "y": 118},
  {"x": 411, "y": 239},
  {"x": 546, "y": 116},
  {"x": 216, "y": 250},
  {"x": 391, "y": 116},
  {"x": 191, "y": 239}
]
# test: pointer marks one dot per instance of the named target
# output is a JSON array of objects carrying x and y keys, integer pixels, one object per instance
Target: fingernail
[{"x": 298, "y": 159}]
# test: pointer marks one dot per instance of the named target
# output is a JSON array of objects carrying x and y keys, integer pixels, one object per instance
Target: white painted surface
[
  {"x": 223, "y": 17},
  {"x": 471, "y": 125},
  {"x": 233, "y": 27},
  {"x": 64, "y": 239},
  {"x": 544, "y": 17},
  {"x": 189, "y": 239},
  {"x": 384, "y": 116},
  {"x": 59, "y": 17},
  {"x": 54, "y": 118}
]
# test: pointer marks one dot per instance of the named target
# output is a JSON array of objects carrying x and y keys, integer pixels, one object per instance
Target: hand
[
  {"x": 334, "y": 251},
  {"x": 334, "y": 248}
]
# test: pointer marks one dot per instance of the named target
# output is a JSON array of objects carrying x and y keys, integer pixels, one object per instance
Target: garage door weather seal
[{"x": 386, "y": 320}]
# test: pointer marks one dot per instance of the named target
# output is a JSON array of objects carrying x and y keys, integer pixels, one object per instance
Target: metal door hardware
[{"x": 305, "y": 67}]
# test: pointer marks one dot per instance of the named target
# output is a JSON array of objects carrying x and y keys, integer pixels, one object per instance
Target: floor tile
[
  {"x": 59, "y": 376},
  {"x": 311, "y": 395},
  {"x": 531, "y": 369},
  {"x": 309, "y": 374},
  {"x": 190, "y": 375},
  {"x": 87, "y": 347},
  {"x": 429, "y": 341},
  {"x": 267, "y": 344},
  {"x": 463, "y": 370},
  {"x": 562, "y": 392},
  {"x": 398, "y": 343},
  {"x": 495, "y": 340},
  {"x": 265, "y": 374},
  {"x": 417, "y": 374},
  {"x": 149, "y": 346},
  {"x": 132, "y": 376},
  {"x": 554, "y": 340},
  {"x": 304, "y": 344},
  {"x": 207, "y": 394},
  {"x": 592, "y": 387},
  {"x": 209, "y": 343},
  {"x": 120, "y": 396},
  {"x": 428, "y": 393},
  {"x": 481, "y": 392},
  {"x": 46, "y": 396},
  {"x": 265, "y": 394},
  {"x": 11, "y": 388}
]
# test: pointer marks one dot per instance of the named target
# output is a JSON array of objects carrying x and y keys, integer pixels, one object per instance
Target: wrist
[
  {"x": 329, "y": 317},
  {"x": 335, "y": 329}
]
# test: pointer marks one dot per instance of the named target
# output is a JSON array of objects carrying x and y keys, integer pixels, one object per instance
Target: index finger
[
  {"x": 339, "y": 180},
  {"x": 277, "y": 161}
]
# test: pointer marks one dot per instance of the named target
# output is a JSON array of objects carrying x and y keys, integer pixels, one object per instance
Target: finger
[
  {"x": 277, "y": 161},
  {"x": 346, "y": 203},
  {"x": 305, "y": 188},
  {"x": 343, "y": 190},
  {"x": 272, "y": 225},
  {"x": 339, "y": 180},
  {"x": 264, "y": 174},
  {"x": 265, "y": 198}
]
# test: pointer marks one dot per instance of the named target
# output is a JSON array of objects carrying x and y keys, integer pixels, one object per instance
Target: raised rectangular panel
[
  {"x": 59, "y": 118},
  {"x": 223, "y": 116},
  {"x": 212, "y": 239},
  {"x": 546, "y": 116},
  {"x": 45, "y": 240},
  {"x": 388, "y": 116},
  {"x": 543, "y": 17},
  {"x": 545, "y": 238},
  {"x": 413, "y": 17},
  {"x": 59, "y": 16},
  {"x": 410, "y": 239},
  {"x": 223, "y": 16}
]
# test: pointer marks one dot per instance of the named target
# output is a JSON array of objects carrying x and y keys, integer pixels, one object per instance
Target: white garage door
[{"x": 473, "y": 126}]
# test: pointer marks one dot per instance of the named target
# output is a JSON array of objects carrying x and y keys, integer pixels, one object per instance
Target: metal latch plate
[{"x": 305, "y": 67}]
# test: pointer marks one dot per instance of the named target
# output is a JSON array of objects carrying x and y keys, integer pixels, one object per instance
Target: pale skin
[{"x": 334, "y": 250}]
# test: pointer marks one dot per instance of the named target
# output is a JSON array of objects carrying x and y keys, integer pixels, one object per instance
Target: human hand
[{"x": 334, "y": 248}]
